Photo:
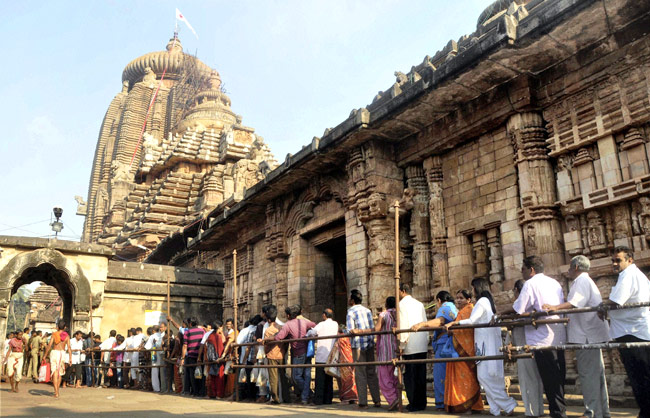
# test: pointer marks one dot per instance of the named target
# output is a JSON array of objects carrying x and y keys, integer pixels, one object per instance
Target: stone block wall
[{"x": 481, "y": 200}]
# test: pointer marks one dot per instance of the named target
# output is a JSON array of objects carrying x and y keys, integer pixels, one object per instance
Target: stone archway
[{"x": 55, "y": 269}]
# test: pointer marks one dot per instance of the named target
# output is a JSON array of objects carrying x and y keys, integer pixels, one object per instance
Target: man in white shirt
[
  {"x": 107, "y": 344},
  {"x": 154, "y": 342},
  {"x": 587, "y": 328},
  {"x": 76, "y": 346},
  {"x": 324, "y": 385},
  {"x": 247, "y": 356},
  {"x": 414, "y": 345},
  {"x": 632, "y": 325},
  {"x": 136, "y": 342},
  {"x": 540, "y": 290}
]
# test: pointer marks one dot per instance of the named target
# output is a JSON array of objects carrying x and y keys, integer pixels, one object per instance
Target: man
[
  {"x": 107, "y": 344},
  {"x": 414, "y": 346},
  {"x": 15, "y": 360},
  {"x": 90, "y": 355},
  {"x": 363, "y": 350},
  {"x": 190, "y": 355},
  {"x": 632, "y": 325},
  {"x": 297, "y": 328},
  {"x": 34, "y": 359},
  {"x": 153, "y": 342},
  {"x": 136, "y": 343},
  {"x": 324, "y": 387},
  {"x": 530, "y": 382},
  {"x": 6, "y": 349},
  {"x": 160, "y": 356},
  {"x": 278, "y": 383},
  {"x": 57, "y": 347},
  {"x": 76, "y": 347},
  {"x": 247, "y": 356},
  {"x": 27, "y": 336},
  {"x": 262, "y": 387},
  {"x": 539, "y": 290},
  {"x": 587, "y": 328}
]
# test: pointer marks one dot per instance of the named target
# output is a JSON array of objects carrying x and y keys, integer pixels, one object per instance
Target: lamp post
[{"x": 57, "y": 226}]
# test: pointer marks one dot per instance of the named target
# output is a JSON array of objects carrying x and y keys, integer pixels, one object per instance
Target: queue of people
[{"x": 198, "y": 359}]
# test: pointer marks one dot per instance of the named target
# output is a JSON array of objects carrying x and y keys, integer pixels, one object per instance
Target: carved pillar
[
  {"x": 495, "y": 259},
  {"x": 438, "y": 230},
  {"x": 374, "y": 181},
  {"x": 536, "y": 180},
  {"x": 480, "y": 255},
  {"x": 277, "y": 251},
  {"x": 419, "y": 231}
]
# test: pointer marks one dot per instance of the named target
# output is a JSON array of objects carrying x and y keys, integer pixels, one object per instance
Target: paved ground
[{"x": 37, "y": 400}]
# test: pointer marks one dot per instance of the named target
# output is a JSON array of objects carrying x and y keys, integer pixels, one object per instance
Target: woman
[
  {"x": 347, "y": 385},
  {"x": 231, "y": 336},
  {"x": 446, "y": 313},
  {"x": 462, "y": 391},
  {"x": 386, "y": 350},
  {"x": 214, "y": 350},
  {"x": 176, "y": 354},
  {"x": 487, "y": 343}
]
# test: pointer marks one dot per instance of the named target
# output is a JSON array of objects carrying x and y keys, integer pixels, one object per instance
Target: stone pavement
[{"x": 37, "y": 400}]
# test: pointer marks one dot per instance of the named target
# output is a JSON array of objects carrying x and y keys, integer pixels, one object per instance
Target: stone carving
[
  {"x": 632, "y": 138},
  {"x": 644, "y": 215},
  {"x": 120, "y": 171},
  {"x": 596, "y": 234},
  {"x": 82, "y": 207},
  {"x": 149, "y": 77}
]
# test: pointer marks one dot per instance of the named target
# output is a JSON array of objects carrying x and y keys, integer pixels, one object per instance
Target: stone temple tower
[{"x": 194, "y": 154}]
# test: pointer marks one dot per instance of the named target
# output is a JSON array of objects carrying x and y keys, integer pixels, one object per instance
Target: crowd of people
[{"x": 198, "y": 359}]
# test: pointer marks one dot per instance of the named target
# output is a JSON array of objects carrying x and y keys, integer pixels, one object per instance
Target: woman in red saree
[
  {"x": 214, "y": 350},
  {"x": 347, "y": 385},
  {"x": 462, "y": 390}
]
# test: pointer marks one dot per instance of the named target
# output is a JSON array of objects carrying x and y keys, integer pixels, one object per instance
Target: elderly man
[
  {"x": 324, "y": 385},
  {"x": 540, "y": 290},
  {"x": 587, "y": 328},
  {"x": 632, "y": 325}
]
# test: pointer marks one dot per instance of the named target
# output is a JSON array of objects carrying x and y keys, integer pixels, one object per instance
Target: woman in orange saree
[
  {"x": 462, "y": 390},
  {"x": 347, "y": 385}
]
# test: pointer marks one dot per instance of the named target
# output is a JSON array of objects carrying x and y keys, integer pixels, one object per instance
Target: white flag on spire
[{"x": 179, "y": 16}]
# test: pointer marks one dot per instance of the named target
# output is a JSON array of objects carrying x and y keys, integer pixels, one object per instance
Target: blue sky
[{"x": 291, "y": 68}]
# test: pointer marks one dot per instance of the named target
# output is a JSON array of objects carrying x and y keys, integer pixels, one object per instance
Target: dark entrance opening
[
  {"x": 50, "y": 275},
  {"x": 331, "y": 283}
]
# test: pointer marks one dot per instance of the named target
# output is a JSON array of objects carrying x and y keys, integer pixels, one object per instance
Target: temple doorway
[
  {"x": 331, "y": 283},
  {"x": 61, "y": 305}
]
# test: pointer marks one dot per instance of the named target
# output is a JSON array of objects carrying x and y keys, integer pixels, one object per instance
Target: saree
[
  {"x": 386, "y": 349},
  {"x": 217, "y": 379},
  {"x": 462, "y": 391},
  {"x": 347, "y": 385},
  {"x": 447, "y": 311},
  {"x": 229, "y": 385}
]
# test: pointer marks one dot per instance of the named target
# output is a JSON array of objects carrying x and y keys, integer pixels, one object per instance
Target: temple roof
[{"x": 173, "y": 58}]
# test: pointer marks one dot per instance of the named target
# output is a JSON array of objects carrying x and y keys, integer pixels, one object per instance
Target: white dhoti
[
  {"x": 57, "y": 362},
  {"x": 15, "y": 365}
]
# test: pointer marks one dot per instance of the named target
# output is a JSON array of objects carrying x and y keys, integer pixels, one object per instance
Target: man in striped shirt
[
  {"x": 363, "y": 349},
  {"x": 191, "y": 343}
]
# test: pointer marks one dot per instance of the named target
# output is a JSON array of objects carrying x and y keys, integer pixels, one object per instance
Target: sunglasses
[{"x": 617, "y": 260}]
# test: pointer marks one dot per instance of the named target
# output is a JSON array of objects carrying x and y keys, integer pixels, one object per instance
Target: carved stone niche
[{"x": 596, "y": 234}]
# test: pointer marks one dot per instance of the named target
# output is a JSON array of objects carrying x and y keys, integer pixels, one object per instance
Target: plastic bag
[
  {"x": 44, "y": 372},
  {"x": 263, "y": 377},
  {"x": 110, "y": 372},
  {"x": 242, "y": 376},
  {"x": 310, "y": 349},
  {"x": 333, "y": 358},
  {"x": 197, "y": 373},
  {"x": 228, "y": 367}
]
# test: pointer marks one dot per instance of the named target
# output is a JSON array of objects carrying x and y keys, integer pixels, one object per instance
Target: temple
[
  {"x": 527, "y": 137},
  {"x": 169, "y": 151}
]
